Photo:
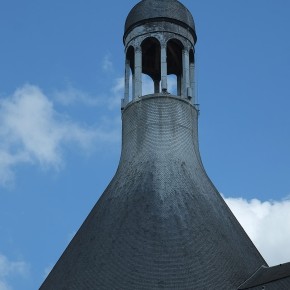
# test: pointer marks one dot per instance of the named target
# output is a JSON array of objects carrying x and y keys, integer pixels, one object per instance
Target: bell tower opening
[
  {"x": 159, "y": 53},
  {"x": 151, "y": 57},
  {"x": 192, "y": 74},
  {"x": 129, "y": 74},
  {"x": 174, "y": 64}
]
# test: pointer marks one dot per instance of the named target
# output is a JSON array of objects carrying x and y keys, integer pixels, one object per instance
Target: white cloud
[
  {"x": 117, "y": 93},
  {"x": 267, "y": 224},
  {"x": 4, "y": 286},
  {"x": 107, "y": 64},
  {"x": 147, "y": 85},
  {"x": 10, "y": 269},
  {"x": 72, "y": 95},
  {"x": 32, "y": 131},
  {"x": 172, "y": 84}
]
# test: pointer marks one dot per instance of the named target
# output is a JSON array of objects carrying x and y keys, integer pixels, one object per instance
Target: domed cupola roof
[{"x": 154, "y": 10}]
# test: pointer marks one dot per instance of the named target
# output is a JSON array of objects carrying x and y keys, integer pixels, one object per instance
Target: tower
[
  {"x": 159, "y": 41},
  {"x": 161, "y": 223}
]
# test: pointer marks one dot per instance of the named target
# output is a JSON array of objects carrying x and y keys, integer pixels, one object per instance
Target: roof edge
[
  {"x": 270, "y": 277},
  {"x": 160, "y": 19}
]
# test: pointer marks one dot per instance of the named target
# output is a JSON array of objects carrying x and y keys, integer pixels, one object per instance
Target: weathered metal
[{"x": 157, "y": 10}]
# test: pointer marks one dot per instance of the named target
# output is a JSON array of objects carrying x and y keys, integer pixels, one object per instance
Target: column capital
[
  {"x": 138, "y": 49},
  {"x": 185, "y": 50}
]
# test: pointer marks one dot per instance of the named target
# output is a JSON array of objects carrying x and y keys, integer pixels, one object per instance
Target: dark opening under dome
[{"x": 152, "y": 10}]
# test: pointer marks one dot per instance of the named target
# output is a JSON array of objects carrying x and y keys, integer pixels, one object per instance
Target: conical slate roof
[{"x": 160, "y": 224}]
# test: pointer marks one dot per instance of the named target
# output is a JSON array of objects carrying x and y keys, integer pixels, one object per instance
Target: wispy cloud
[
  {"x": 71, "y": 95},
  {"x": 107, "y": 64},
  {"x": 172, "y": 84},
  {"x": 267, "y": 224},
  {"x": 11, "y": 269},
  {"x": 117, "y": 93},
  {"x": 147, "y": 85},
  {"x": 32, "y": 131}
]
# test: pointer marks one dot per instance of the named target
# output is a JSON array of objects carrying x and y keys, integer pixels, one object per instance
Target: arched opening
[
  {"x": 151, "y": 65},
  {"x": 129, "y": 73},
  {"x": 174, "y": 62}
]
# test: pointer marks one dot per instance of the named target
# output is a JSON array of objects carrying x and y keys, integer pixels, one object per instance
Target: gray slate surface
[
  {"x": 160, "y": 224},
  {"x": 152, "y": 10}
]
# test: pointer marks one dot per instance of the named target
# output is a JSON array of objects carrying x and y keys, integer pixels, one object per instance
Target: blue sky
[{"x": 61, "y": 70}]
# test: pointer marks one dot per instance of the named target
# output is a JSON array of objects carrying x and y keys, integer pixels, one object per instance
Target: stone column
[
  {"x": 192, "y": 81},
  {"x": 185, "y": 75},
  {"x": 156, "y": 86},
  {"x": 133, "y": 84},
  {"x": 163, "y": 68},
  {"x": 127, "y": 81},
  {"x": 138, "y": 73},
  {"x": 179, "y": 85}
]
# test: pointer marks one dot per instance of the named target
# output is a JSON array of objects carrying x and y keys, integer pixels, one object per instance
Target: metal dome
[{"x": 152, "y": 10}]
